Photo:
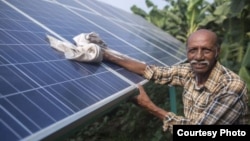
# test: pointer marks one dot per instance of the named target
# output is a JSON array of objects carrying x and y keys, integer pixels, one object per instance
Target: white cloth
[
  {"x": 83, "y": 51},
  {"x": 86, "y": 38}
]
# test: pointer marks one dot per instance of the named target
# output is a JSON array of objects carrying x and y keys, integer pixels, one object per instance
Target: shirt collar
[{"x": 214, "y": 77}]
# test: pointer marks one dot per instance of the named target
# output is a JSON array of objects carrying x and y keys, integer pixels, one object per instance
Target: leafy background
[{"x": 230, "y": 19}]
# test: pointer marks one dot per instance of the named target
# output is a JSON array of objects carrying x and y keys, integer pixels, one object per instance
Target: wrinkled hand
[
  {"x": 96, "y": 39},
  {"x": 143, "y": 99}
]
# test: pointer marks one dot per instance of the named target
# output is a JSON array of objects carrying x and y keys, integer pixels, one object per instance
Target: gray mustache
[{"x": 199, "y": 62}]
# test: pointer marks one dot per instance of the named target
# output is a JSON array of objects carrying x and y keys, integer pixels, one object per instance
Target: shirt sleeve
[{"x": 174, "y": 75}]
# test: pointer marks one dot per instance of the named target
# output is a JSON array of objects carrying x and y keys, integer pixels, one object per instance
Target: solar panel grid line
[
  {"x": 57, "y": 35},
  {"x": 66, "y": 93},
  {"x": 174, "y": 41},
  {"x": 38, "y": 115},
  {"x": 9, "y": 132},
  {"x": 76, "y": 4},
  {"x": 90, "y": 93},
  {"x": 6, "y": 125},
  {"x": 25, "y": 74},
  {"x": 23, "y": 50},
  {"x": 72, "y": 95},
  {"x": 23, "y": 91},
  {"x": 33, "y": 71},
  {"x": 34, "y": 88},
  {"x": 86, "y": 6},
  {"x": 116, "y": 36},
  {"x": 149, "y": 43},
  {"x": 118, "y": 74},
  {"x": 38, "y": 107},
  {"x": 13, "y": 87},
  {"x": 20, "y": 123},
  {"x": 40, "y": 62},
  {"x": 68, "y": 104},
  {"x": 21, "y": 78},
  {"x": 36, "y": 136},
  {"x": 33, "y": 20},
  {"x": 161, "y": 41},
  {"x": 52, "y": 102},
  {"x": 5, "y": 81},
  {"x": 14, "y": 133},
  {"x": 103, "y": 10},
  {"x": 162, "y": 49},
  {"x": 45, "y": 132},
  {"x": 159, "y": 34},
  {"x": 121, "y": 15},
  {"x": 124, "y": 78},
  {"x": 167, "y": 46},
  {"x": 181, "y": 52},
  {"x": 6, "y": 37}
]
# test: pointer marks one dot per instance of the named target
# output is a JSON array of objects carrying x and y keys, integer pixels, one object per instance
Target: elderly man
[{"x": 212, "y": 93}]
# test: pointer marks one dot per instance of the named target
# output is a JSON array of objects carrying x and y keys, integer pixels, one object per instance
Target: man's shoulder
[
  {"x": 228, "y": 73},
  {"x": 230, "y": 78}
]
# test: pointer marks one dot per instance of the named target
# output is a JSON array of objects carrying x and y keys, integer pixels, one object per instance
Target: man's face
[{"x": 202, "y": 52}]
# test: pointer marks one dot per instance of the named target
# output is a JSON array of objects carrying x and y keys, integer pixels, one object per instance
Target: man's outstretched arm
[
  {"x": 138, "y": 67},
  {"x": 124, "y": 61}
]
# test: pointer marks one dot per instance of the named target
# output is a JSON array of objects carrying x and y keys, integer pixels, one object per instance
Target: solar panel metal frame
[{"x": 57, "y": 129}]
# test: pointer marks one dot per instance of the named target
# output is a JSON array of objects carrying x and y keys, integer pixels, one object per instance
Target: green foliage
[
  {"x": 245, "y": 67},
  {"x": 139, "y": 11},
  {"x": 195, "y": 13},
  {"x": 179, "y": 17}
]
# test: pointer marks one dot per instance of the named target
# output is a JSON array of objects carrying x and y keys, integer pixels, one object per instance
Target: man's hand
[{"x": 144, "y": 101}]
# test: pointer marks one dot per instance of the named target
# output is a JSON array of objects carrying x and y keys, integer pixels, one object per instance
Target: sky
[{"x": 126, "y": 4}]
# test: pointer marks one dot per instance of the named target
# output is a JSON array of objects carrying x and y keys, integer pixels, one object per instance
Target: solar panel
[{"x": 43, "y": 94}]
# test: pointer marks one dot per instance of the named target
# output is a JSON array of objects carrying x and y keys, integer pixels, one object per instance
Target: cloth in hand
[
  {"x": 86, "y": 38},
  {"x": 83, "y": 51}
]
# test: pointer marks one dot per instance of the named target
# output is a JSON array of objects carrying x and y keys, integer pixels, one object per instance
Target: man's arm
[
  {"x": 124, "y": 61},
  {"x": 145, "y": 102},
  {"x": 138, "y": 67}
]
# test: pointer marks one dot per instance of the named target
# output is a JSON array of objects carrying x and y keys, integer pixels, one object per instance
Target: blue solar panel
[{"x": 41, "y": 91}]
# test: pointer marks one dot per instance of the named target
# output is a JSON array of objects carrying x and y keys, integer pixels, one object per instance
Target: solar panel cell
[
  {"x": 15, "y": 80},
  {"x": 30, "y": 110},
  {"x": 6, "y": 38},
  {"x": 58, "y": 91},
  {"x": 11, "y": 128}
]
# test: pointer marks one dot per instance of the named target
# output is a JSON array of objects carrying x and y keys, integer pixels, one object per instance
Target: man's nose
[{"x": 199, "y": 55}]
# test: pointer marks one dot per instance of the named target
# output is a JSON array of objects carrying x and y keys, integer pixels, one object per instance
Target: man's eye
[
  {"x": 192, "y": 51},
  {"x": 207, "y": 51}
]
